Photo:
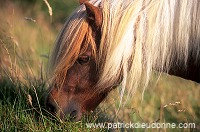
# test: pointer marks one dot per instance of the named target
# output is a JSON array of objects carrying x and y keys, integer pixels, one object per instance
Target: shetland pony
[{"x": 109, "y": 43}]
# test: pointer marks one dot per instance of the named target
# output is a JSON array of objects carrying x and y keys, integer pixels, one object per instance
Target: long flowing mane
[{"x": 138, "y": 36}]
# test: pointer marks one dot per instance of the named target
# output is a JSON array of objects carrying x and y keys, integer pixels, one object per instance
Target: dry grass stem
[{"x": 49, "y": 7}]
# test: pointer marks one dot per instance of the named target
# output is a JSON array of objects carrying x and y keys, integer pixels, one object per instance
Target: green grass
[
  {"x": 171, "y": 100},
  {"x": 24, "y": 51}
]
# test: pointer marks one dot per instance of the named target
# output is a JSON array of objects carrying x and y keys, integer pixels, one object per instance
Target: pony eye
[{"x": 83, "y": 59}]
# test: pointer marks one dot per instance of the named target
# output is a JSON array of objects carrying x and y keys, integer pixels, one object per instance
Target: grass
[
  {"x": 170, "y": 100},
  {"x": 24, "y": 49}
]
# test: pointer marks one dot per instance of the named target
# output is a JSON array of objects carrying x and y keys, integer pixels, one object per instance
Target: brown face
[{"x": 77, "y": 95}]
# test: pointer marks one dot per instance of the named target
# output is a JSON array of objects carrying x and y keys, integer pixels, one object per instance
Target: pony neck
[{"x": 190, "y": 71}]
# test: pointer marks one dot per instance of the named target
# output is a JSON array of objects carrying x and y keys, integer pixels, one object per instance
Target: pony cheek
[{"x": 93, "y": 102}]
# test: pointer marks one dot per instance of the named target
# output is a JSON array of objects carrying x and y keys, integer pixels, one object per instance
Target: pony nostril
[
  {"x": 51, "y": 108},
  {"x": 73, "y": 114}
]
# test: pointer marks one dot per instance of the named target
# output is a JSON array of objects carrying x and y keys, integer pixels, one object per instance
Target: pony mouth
[
  {"x": 68, "y": 118},
  {"x": 73, "y": 116},
  {"x": 76, "y": 116},
  {"x": 60, "y": 115}
]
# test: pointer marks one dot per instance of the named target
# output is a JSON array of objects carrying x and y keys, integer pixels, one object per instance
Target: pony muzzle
[{"x": 71, "y": 112}]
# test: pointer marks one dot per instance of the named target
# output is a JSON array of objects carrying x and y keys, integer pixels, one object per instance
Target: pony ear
[
  {"x": 82, "y": 1},
  {"x": 94, "y": 14}
]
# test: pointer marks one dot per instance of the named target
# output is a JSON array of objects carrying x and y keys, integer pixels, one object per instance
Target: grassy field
[{"x": 27, "y": 34}]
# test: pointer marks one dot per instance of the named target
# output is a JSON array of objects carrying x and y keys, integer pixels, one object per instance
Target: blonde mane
[{"x": 138, "y": 36}]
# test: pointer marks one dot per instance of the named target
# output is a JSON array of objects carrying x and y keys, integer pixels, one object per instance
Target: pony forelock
[{"x": 73, "y": 41}]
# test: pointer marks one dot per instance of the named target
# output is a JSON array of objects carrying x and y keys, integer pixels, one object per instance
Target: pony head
[{"x": 74, "y": 62}]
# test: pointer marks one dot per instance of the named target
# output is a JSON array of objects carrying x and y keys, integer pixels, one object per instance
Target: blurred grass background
[{"x": 27, "y": 34}]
